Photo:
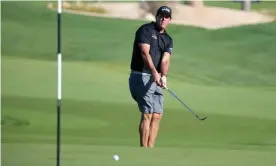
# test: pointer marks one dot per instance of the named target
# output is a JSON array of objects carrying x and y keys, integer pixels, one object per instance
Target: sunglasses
[{"x": 164, "y": 16}]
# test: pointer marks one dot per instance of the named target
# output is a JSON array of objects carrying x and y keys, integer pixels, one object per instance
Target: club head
[{"x": 202, "y": 118}]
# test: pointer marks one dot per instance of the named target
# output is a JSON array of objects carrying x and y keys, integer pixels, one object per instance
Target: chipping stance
[{"x": 150, "y": 61}]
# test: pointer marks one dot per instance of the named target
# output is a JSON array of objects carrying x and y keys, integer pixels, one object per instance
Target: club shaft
[{"x": 182, "y": 102}]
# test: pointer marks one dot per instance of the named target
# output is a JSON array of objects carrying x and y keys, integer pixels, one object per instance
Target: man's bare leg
[
  {"x": 144, "y": 129},
  {"x": 154, "y": 127}
]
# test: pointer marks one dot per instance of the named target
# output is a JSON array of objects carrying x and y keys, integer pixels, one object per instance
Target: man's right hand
[{"x": 157, "y": 78}]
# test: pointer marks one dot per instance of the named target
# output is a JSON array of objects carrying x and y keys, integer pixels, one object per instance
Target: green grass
[
  {"x": 267, "y": 7},
  {"x": 240, "y": 56},
  {"x": 227, "y": 74},
  {"x": 237, "y": 5}
]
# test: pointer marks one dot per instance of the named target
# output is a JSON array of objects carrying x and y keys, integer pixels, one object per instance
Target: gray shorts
[{"x": 146, "y": 93}]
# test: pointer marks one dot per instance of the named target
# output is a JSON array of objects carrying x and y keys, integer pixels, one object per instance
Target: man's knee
[
  {"x": 146, "y": 117},
  {"x": 156, "y": 117},
  {"x": 145, "y": 121}
]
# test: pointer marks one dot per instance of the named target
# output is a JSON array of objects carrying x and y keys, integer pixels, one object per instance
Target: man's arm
[
  {"x": 165, "y": 64},
  {"x": 148, "y": 61},
  {"x": 143, "y": 37},
  {"x": 146, "y": 57}
]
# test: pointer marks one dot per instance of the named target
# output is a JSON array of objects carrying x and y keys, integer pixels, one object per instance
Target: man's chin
[{"x": 163, "y": 27}]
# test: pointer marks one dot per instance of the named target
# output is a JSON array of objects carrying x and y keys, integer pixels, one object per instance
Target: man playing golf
[{"x": 149, "y": 67}]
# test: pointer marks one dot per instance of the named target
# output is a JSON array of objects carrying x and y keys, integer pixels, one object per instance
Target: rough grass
[
  {"x": 266, "y": 7},
  {"x": 242, "y": 56}
]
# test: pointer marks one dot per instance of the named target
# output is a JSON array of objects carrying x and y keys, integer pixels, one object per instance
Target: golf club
[{"x": 184, "y": 104}]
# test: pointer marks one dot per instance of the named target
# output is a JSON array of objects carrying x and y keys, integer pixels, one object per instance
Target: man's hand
[
  {"x": 164, "y": 81},
  {"x": 156, "y": 78}
]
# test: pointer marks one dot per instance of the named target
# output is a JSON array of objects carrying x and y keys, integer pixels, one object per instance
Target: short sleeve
[
  {"x": 143, "y": 35},
  {"x": 169, "y": 47}
]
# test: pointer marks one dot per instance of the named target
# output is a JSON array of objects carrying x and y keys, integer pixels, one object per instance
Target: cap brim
[{"x": 165, "y": 12}]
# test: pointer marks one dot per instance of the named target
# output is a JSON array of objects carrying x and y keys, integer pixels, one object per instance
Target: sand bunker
[{"x": 204, "y": 17}]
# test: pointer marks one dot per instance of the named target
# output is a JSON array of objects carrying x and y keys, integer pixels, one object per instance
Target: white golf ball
[{"x": 116, "y": 157}]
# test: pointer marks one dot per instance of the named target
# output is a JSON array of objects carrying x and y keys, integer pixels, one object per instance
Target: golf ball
[{"x": 116, "y": 157}]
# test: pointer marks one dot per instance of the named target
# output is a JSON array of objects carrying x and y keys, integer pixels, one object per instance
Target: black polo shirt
[{"x": 159, "y": 44}]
